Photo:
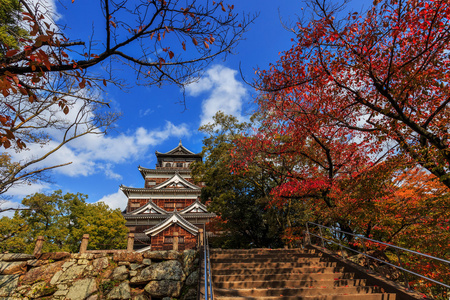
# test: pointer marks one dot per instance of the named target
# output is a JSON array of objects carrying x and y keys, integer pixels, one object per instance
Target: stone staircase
[{"x": 287, "y": 274}]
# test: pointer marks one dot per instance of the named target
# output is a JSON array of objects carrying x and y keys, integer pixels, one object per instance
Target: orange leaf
[{"x": 194, "y": 41}]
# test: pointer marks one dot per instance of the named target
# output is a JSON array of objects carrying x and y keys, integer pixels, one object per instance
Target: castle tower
[{"x": 168, "y": 203}]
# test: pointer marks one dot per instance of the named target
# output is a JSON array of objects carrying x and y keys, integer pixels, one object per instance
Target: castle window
[
  {"x": 179, "y": 165},
  {"x": 172, "y": 205},
  {"x": 169, "y": 240},
  {"x": 168, "y": 165}
]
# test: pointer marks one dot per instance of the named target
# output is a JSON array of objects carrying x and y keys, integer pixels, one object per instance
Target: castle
[{"x": 168, "y": 203}]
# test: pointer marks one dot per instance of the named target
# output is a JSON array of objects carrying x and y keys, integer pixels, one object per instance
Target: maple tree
[
  {"x": 309, "y": 163},
  {"x": 382, "y": 75}
]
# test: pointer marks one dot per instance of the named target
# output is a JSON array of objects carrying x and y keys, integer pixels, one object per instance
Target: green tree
[
  {"x": 62, "y": 220},
  {"x": 10, "y": 31},
  {"x": 240, "y": 201}
]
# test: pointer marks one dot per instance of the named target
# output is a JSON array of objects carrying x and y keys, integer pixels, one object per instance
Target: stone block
[
  {"x": 13, "y": 267},
  {"x": 83, "y": 261},
  {"x": 8, "y": 285},
  {"x": 82, "y": 289},
  {"x": 72, "y": 273},
  {"x": 166, "y": 270},
  {"x": 192, "y": 279},
  {"x": 163, "y": 288},
  {"x": 131, "y": 257},
  {"x": 16, "y": 257},
  {"x": 55, "y": 256},
  {"x": 44, "y": 273},
  {"x": 163, "y": 255},
  {"x": 136, "y": 266},
  {"x": 120, "y": 273},
  {"x": 83, "y": 256},
  {"x": 120, "y": 292},
  {"x": 34, "y": 263},
  {"x": 40, "y": 289},
  {"x": 100, "y": 263}
]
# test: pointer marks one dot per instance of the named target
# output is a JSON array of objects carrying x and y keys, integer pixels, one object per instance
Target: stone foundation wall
[{"x": 121, "y": 275}]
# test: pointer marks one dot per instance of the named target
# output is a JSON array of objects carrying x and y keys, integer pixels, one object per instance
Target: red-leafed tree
[
  {"x": 383, "y": 75},
  {"x": 310, "y": 160}
]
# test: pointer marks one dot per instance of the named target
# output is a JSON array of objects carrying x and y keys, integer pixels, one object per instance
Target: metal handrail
[
  {"x": 308, "y": 233},
  {"x": 211, "y": 294},
  {"x": 207, "y": 269}
]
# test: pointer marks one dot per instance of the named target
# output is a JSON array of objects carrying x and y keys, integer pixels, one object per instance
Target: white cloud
[
  {"x": 95, "y": 153},
  {"x": 226, "y": 93},
  {"x": 21, "y": 191},
  {"x": 143, "y": 113},
  {"x": 116, "y": 200},
  {"x": 8, "y": 204}
]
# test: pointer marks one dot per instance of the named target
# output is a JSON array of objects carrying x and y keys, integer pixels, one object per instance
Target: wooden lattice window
[
  {"x": 179, "y": 165},
  {"x": 169, "y": 240},
  {"x": 173, "y": 204},
  {"x": 168, "y": 165}
]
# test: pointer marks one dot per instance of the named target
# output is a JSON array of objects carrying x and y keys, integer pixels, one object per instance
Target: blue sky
[{"x": 153, "y": 118}]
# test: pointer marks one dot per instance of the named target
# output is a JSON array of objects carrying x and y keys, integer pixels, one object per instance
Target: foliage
[
  {"x": 62, "y": 220},
  {"x": 159, "y": 31},
  {"x": 10, "y": 31},
  {"x": 354, "y": 125},
  {"x": 52, "y": 85},
  {"x": 239, "y": 201},
  {"x": 382, "y": 76}
]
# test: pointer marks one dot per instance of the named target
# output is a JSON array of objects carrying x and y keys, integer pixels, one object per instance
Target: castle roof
[
  {"x": 178, "y": 150},
  {"x": 174, "y": 218}
]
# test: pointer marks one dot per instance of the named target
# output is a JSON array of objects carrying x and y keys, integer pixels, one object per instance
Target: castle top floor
[{"x": 178, "y": 158}]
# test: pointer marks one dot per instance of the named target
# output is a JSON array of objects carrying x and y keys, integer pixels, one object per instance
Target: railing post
[
  {"x": 84, "y": 243},
  {"x": 200, "y": 237},
  {"x": 39, "y": 244},
  {"x": 175, "y": 241},
  {"x": 130, "y": 242},
  {"x": 321, "y": 237},
  {"x": 308, "y": 237},
  {"x": 340, "y": 246},
  {"x": 404, "y": 273},
  {"x": 364, "y": 246}
]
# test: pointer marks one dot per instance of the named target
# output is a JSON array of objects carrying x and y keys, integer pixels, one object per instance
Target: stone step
[
  {"x": 280, "y": 292},
  {"x": 375, "y": 296},
  {"x": 262, "y": 251},
  {"x": 291, "y": 283},
  {"x": 283, "y": 276},
  {"x": 267, "y": 258},
  {"x": 236, "y": 270},
  {"x": 268, "y": 265}
]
